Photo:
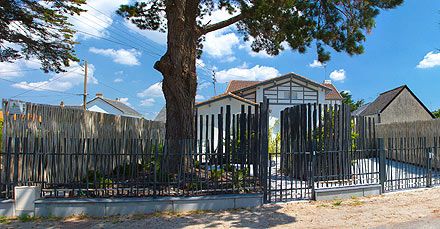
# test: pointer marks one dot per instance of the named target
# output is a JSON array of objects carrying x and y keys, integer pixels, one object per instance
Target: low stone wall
[
  {"x": 128, "y": 206},
  {"x": 347, "y": 192}
]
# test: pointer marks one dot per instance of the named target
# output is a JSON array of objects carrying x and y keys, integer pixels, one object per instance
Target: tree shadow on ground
[{"x": 261, "y": 217}]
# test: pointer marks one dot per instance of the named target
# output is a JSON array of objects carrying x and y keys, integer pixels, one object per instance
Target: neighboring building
[
  {"x": 397, "y": 105},
  {"x": 110, "y": 106},
  {"x": 359, "y": 111},
  {"x": 162, "y": 116}
]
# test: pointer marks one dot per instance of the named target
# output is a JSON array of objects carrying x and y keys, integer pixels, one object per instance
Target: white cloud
[
  {"x": 147, "y": 102},
  {"x": 17, "y": 68},
  {"x": 255, "y": 73},
  {"x": 200, "y": 63},
  {"x": 118, "y": 80},
  {"x": 125, "y": 101},
  {"x": 121, "y": 56},
  {"x": 316, "y": 64},
  {"x": 338, "y": 75},
  {"x": 119, "y": 72},
  {"x": 204, "y": 85},
  {"x": 94, "y": 22},
  {"x": 200, "y": 97},
  {"x": 220, "y": 43},
  {"x": 62, "y": 81},
  {"x": 154, "y": 90},
  {"x": 430, "y": 60}
]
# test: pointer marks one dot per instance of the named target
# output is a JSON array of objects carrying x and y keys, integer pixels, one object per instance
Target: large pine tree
[{"x": 339, "y": 24}]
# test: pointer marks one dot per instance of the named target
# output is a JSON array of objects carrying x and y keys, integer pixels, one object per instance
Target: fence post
[
  {"x": 312, "y": 175},
  {"x": 429, "y": 166},
  {"x": 264, "y": 144},
  {"x": 382, "y": 165}
]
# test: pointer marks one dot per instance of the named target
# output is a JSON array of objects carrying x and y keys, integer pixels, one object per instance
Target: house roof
[
  {"x": 238, "y": 85},
  {"x": 126, "y": 110},
  {"x": 333, "y": 94},
  {"x": 360, "y": 109},
  {"x": 224, "y": 96},
  {"x": 385, "y": 99},
  {"x": 162, "y": 116}
]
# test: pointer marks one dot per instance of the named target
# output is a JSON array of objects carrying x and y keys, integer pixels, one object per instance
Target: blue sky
[{"x": 402, "y": 49}]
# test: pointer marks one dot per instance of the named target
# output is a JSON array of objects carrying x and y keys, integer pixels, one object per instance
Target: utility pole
[
  {"x": 214, "y": 81},
  {"x": 85, "y": 87}
]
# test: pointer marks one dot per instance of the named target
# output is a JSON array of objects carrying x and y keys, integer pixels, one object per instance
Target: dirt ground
[{"x": 409, "y": 209}]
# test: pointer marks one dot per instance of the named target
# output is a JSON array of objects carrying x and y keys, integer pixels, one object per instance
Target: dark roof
[
  {"x": 250, "y": 85},
  {"x": 385, "y": 99},
  {"x": 126, "y": 110},
  {"x": 358, "y": 111},
  {"x": 224, "y": 96},
  {"x": 162, "y": 116},
  {"x": 334, "y": 94}
]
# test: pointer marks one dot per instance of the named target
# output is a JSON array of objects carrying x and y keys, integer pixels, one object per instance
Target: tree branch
[{"x": 220, "y": 25}]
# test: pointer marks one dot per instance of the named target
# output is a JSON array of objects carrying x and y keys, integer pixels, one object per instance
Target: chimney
[
  {"x": 62, "y": 103},
  {"x": 327, "y": 82},
  {"x": 117, "y": 99},
  {"x": 100, "y": 95}
]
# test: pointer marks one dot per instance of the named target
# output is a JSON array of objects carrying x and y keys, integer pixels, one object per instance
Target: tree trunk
[{"x": 178, "y": 67}]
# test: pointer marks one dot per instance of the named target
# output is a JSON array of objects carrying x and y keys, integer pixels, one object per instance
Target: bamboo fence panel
[{"x": 424, "y": 131}]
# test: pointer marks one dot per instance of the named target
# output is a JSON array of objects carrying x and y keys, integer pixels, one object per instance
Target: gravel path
[{"x": 409, "y": 209}]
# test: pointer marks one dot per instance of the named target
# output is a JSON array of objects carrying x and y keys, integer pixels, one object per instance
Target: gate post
[
  {"x": 429, "y": 166},
  {"x": 382, "y": 165}
]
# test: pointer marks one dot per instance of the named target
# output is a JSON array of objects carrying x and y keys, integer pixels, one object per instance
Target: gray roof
[
  {"x": 382, "y": 101},
  {"x": 360, "y": 110},
  {"x": 126, "y": 110},
  {"x": 162, "y": 116}
]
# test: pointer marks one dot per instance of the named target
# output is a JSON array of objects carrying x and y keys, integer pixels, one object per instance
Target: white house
[
  {"x": 282, "y": 91},
  {"x": 110, "y": 106}
]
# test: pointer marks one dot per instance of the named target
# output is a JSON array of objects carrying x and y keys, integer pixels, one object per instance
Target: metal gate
[{"x": 321, "y": 146}]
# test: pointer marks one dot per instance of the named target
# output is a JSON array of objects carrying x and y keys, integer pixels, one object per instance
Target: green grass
[
  {"x": 26, "y": 218},
  {"x": 337, "y": 203},
  {"x": 3, "y": 219}
]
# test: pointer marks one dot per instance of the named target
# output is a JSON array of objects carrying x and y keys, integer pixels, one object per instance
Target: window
[
  {"x": 286, "y": 95},
  {"x": 294, "y": 95}
]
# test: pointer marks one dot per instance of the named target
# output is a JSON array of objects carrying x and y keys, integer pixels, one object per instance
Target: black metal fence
[
  {"x": 130, "y": 165},
  {"x": 147, "y": 168}
]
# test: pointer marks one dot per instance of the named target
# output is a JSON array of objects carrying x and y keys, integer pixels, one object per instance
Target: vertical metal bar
[{"x": 382, "y": 165}]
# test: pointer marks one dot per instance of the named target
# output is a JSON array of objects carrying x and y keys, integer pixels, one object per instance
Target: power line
[
  {"x": 50, "y": 81},
  {"x": 62, "y": 92},
  {"x": 26, "y": 70},
  {"x": 117, "y": 39},
  {"x": 123, "y": 32},
  {"x": 116, "y": 42}
]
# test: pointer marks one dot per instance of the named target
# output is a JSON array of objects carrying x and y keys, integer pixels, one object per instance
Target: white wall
[{"x": 214, "y": 108}]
